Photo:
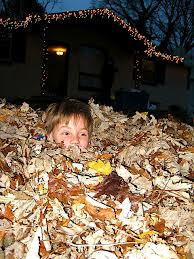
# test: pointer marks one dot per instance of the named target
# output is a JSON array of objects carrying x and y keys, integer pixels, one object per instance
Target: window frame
[
  {"x": 10, "y": 40},
  {"x": 3, "y": 42},
  {"x": 96, "y": 85},
  {"x": 159, "y": 72},
  {"x": 146, "y": 79}
]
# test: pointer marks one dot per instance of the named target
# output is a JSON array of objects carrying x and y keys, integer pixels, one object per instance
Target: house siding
[
  {"x": 24, "y": 80},
  {"x": 173, "y": 91},
  {"x": 99, "y": 38}
]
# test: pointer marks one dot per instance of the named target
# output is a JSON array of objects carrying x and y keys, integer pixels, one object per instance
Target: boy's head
[{"x": 69, "y": 122}]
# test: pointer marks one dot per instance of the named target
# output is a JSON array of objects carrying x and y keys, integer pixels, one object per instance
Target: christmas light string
[
  {"x": 138, "y": 70},
  {"x": 44, "y": 70},
  {"x": 90, "y": 13}
]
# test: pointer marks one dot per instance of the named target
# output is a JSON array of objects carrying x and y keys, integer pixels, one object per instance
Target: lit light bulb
[{"x": 59, "y": 53}]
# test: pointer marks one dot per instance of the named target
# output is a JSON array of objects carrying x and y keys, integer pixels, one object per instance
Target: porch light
[{"x": 59, "y": 51}]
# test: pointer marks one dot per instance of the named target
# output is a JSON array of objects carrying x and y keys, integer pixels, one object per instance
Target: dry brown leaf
[
  {"x": 77, "y": 208},
  {"x": 3, "y": 118},
  {"x": 100, "y": 213},
  {"x": 4, "y": 166},
  {"x": 8, "y": 214}
]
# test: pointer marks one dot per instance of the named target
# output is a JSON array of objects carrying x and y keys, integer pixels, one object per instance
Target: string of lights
[
  {"x": 150, "y": 48},
  {"x": 138, "y": 70},
  {"x": 44, "y": 71}
]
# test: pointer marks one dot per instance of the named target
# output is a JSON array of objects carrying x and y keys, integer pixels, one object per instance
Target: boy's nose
[{"x": 75, "y": 140}]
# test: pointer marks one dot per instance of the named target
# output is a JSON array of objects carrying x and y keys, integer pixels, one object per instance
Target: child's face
[{"x": 73, "y": 132}]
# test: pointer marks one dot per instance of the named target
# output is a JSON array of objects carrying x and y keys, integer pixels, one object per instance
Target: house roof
[{"x": 150, "y": 48}]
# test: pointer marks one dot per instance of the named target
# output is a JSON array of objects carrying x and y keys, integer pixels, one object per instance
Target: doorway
[{"x": 57, "y": 68}]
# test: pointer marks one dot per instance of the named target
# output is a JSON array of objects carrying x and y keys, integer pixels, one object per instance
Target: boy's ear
[{"x": 50, "y": 136}]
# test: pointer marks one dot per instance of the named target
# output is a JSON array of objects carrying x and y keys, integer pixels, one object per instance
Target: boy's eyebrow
[{"x": 70, "y": 128}]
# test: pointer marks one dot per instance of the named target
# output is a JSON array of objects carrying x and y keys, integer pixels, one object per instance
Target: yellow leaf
[
  {"x": 144, "y": 113},
  {"x": 101, "y": 167},
  {"x": 148, "y": 233}
]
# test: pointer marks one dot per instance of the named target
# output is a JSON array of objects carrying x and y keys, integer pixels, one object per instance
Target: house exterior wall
[
  {"x": 23, "y": 79},
  {"x": 80, "y": 36},
  {"x": 174, "y": 89}
]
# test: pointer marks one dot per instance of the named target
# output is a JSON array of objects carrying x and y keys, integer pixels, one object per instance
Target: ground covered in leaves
[{"x": 129, "y": 195}]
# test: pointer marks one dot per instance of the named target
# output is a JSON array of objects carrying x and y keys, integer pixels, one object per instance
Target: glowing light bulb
[{"x": 59, "y": 53}]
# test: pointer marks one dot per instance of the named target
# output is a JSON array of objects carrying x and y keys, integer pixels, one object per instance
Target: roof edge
[{"x": 150, "y": 50}]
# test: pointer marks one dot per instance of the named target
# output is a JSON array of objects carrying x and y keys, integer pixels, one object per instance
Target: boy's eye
[
  {"x": 65, "y": 133},
  {"x": 84, "y": 134}
]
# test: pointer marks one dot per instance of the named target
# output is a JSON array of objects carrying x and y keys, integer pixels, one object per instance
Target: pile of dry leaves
[{"x": 129, "y": 195}]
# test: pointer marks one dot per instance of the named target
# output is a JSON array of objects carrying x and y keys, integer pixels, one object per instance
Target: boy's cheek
[
  {"x": 85, "y": 143},
  {"x": 88, "y": 143}
]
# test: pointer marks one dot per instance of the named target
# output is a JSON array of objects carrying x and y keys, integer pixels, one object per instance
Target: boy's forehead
[{"x": 75, "y": 118}]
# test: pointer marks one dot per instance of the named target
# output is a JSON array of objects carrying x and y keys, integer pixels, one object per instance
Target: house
[{"x": 62, "y": 54}]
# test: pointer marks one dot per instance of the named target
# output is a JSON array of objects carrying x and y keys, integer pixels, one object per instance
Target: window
[
  {"x": 5, "y": 47},
  {"x": 148, "y": 72},
  {"x": 91, "y": 60},
  {"x": 153, "y": 72},
  {"x": 13, "y": 47}
]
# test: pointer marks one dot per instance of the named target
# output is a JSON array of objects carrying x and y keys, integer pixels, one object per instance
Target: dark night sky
[{"x": 72, "y": 5}]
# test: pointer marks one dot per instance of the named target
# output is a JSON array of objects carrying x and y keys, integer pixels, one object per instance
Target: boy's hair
[{"x": 57, "y": 112}]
